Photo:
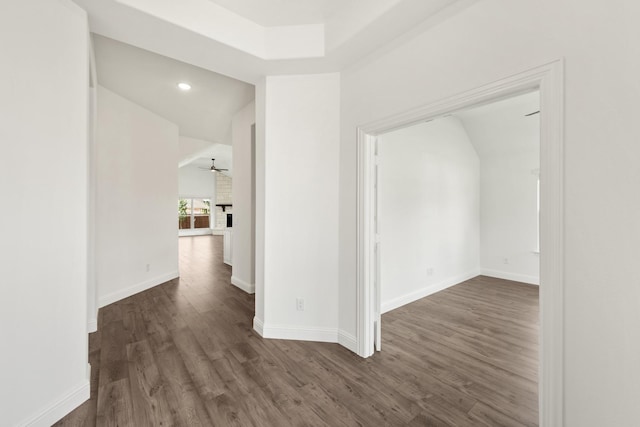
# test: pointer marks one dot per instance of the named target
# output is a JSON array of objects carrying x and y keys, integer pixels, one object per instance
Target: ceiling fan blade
[{"x": 213, "y": 167}]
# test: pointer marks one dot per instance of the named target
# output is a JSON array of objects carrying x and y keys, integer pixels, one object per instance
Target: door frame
[
  {"x": 549, "y": 80},
  {"x": 92, "y": 165}
]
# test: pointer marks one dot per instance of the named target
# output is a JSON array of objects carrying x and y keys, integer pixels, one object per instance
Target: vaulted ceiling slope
[
  {"x": 506, "y": 126},
  {"x": 248, "y": 39},
  {"x": 151, "y": 80}
]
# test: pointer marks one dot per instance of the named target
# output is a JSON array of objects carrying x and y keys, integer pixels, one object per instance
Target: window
[{"x": 194, "y": 213}]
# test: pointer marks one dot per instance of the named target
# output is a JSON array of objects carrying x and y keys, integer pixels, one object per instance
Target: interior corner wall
[
  {"x": 429, "y": 210},
  {"x": 44, "y": 186},
  {"x": 483, "y": 43},
  {"x": 243, "y": 195},
  {"x": 301, "y": 132},
  {"x": 137, "y": 194},
  {"x": 508, "y": 218},
  {"x": 509, "y": 153}
]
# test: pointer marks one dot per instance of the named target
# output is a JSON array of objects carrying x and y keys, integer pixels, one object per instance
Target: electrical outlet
[
  {"x": 430, "y": 271},
  {"x": 148, "y": 267},
  {"x": 300, "y": 304}
]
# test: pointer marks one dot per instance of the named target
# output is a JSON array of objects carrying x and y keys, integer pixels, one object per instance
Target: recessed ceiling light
[{"x": 184, "y": 86}]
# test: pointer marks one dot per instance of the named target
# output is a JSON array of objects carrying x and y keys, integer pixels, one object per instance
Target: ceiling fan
[{"x": 213, "y": 167}]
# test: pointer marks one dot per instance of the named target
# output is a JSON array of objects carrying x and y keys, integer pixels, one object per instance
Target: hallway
[{"x": 184, "y": 354}]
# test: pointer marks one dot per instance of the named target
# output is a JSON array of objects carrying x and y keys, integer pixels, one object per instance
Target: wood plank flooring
[{"x": 184, "y": 354}]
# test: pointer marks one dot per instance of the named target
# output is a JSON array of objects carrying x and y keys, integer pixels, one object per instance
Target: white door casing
[{"x": 548, "y": 79}]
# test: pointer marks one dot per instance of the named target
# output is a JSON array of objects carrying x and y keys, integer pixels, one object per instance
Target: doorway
[{"x": 548, "y": 80}]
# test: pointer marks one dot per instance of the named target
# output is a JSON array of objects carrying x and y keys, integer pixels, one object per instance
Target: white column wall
[
  {"x": 44, "y": 99},
  {"x": 244, "y": 245},
  {"x": 301, "y": 140},
  {"x": 261, "y": 118}
]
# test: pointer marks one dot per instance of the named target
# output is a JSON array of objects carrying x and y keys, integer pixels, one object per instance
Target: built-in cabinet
[{"x": 228, "y": 235}]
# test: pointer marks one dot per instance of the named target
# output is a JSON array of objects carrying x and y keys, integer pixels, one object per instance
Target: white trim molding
[
  {"x": 92, "y": 325},
  {"x": 426, "y": 291},
  {"x": 258, "y": 326},
  {"x": 348, "y": 341},
  {"x": 549, "y": 80},
  {"x": 241, "y": 284},
  {"x": 523, "y": 278},
  {"x": 56, "y": 410},
  {"x": 300, "y": 333},
  {"x": 289, "y": 332},
  {"x": 137, "y": 288},
  {"x": 190, "y": 232},
  {"x": 365, "y": 232}
]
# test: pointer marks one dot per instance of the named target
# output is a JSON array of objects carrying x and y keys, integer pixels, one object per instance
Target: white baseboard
[
  {"x": 306, "y": 334},
  {"x": 287, "y": 332},
  {"x": 194, "y": 232},
  {"x": 531, "y": 280},
  {"x": 258, "y": 326},
  {"x": 426, "y": 291},
  {"x": 132, "y": 290},
  {"x": 348, "y": 341},
  {"x": 92, "y": 325},
  {"x": 247, "y": 287},
  {"x": 56, "y": 410}
]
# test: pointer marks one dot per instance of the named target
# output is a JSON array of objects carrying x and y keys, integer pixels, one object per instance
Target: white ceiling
[
  {"x": 200, "y": 155},
  {"x": 202, "y": 158},
  {"x": 150, "y": 80},
  {"x": 270, "y": 13},
  {"x": 207, "y": 34}
]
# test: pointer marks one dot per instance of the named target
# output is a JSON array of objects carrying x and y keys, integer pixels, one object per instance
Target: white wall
[
  {"x": 261, "y": 121},
  {"x": 196, "y": 182},
  {"x": 429, "y": 213},
  {"x": 496, "y": 38},
  {"x": 188, "y": 147},
  {"x": 301, "y": 140},
  {"x": 137, "y": 193},
  {"x": 509, "y": 223},
  {"x": 243, "y": 189},
  {"x": 508, "y": 143},
  {"x": 44, "y": 184}
]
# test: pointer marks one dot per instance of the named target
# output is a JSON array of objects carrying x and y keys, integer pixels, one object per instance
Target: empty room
[
  {"x": 457, "y": 225},
  {"x": 91, "y": 185}
]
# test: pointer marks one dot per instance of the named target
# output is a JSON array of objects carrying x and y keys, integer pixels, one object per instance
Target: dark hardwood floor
[{"x": 184, "y": 354}]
